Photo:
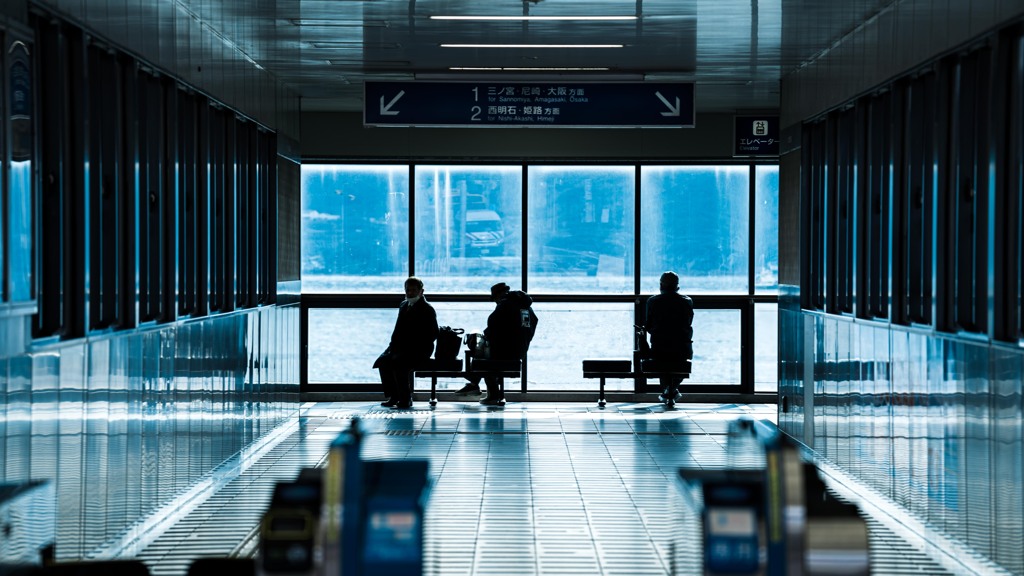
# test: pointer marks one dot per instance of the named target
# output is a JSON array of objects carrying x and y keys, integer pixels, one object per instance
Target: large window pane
[
  {"x": 716, "y": 347},
  {"x": 468, "y": 227},
  {"x": 19, "y": 288},
  {"x": 580, "y": 229},
  {"x": 339, "y": 354},
  {"x": 766, "y": 347},
  {"x": 569, "y": 333},
  {"x": 22, "y": 149},
  {"x": 355, "y": 228},
  {"x": 695, "y": 222},
  {"x": 766, "y": 229}
]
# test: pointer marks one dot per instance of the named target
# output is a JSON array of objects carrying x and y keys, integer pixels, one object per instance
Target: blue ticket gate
[
  {"x": 769, "y": 513},
  {"x": 351, "y": 518}
]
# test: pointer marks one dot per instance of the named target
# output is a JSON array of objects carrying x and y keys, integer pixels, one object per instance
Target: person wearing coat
[
  {"x": 670, "y": 324},
  {"x": 412, "y": 343},
  {"x": 510, "y": 328}
]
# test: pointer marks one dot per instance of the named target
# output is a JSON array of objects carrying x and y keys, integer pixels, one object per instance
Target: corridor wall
[{"x": 900, "y": 296}]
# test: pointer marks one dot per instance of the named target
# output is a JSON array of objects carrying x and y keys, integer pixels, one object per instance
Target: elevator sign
[
  {"x": 756, "y": 136},
  {"x": 529, "y": 104}
]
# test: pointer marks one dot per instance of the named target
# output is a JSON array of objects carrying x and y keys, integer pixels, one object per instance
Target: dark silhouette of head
[
  {"x": 669, "y": 282},
  {"x": 499, "y": 291}
]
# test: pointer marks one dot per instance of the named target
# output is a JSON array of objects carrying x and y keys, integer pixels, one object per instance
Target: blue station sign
[{"x": 529, "y": 104}]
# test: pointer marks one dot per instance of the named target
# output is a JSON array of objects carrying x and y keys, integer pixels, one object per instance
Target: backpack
[
  {"x": 449, "y": 340},
  {"x": 525, "y": 321},
  {"x": 527, "y": 326}
]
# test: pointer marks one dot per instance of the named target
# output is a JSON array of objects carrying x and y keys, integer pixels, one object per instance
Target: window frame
[{"x": 744, "y": 301}]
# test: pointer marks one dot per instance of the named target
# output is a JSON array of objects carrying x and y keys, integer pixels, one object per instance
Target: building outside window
[{"x": 468, "y": 227}]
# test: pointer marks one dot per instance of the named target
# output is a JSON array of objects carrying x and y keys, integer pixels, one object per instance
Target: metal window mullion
[
  {"x": 751, "y": 226},
  {"x": 411, "y": 193},
  {"x": 524, "y": 245}
]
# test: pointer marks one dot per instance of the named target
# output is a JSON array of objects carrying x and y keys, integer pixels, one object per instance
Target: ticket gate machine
[
  {"x": 774, "y": 517},
  {"x": 351, "y": 518}
]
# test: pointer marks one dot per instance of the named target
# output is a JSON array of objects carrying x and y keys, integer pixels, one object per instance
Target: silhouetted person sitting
[
  {"x": 670, "y": 324},
  {"x": 510, "y": 328},
  {"x": 412, "y": 343}
]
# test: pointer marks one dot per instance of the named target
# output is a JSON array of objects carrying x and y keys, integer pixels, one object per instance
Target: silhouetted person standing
[
  {"x": 670, "y": 324},
  {"x": 412, "y": 342}
]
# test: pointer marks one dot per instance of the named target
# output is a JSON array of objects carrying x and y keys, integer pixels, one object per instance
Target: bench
[
  {"x": 621, "y": 368},
  {"x": 435, "y": 369},
  {"x": 603, "y": 369},
  {"x": 483, "y": 367},
  {"x": 474, "y": 368}
]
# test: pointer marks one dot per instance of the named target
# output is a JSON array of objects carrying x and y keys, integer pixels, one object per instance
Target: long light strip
[
  {"x": 539, "y": 18},
  {"x": 532, "y": 45},
  {"x": 524, "y": 69}
]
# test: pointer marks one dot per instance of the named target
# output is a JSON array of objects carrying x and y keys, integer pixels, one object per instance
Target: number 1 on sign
[{"x": 475, "y": 109}]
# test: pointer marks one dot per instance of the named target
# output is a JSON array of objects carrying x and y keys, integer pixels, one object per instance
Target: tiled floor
[
  {"x": 552, "y": 488},
  {"x": 534, "y": 488}
]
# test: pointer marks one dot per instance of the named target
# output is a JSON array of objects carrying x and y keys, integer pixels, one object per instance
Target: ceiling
[{"x": 735, "y": 51}]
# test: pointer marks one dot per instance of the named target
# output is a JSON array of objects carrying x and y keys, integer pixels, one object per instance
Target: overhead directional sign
[{"x": 536, "y": 104}]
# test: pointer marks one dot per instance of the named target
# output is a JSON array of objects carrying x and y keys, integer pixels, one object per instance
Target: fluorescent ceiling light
[
  {"x": 540, "y": 18},
  {"x": 532, "y": 45},
  {"x": 368, "y": 63},
  {"x": 523, "y": 69},
  {"x": 355, "y": 44},
  {"x": 352, "y": 23}
]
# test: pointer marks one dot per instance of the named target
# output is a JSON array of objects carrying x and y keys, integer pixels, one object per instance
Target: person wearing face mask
[{"x": 412, "y": 342}]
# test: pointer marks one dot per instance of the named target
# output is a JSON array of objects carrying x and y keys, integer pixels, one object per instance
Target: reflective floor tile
[{"x": 545, "y": 489}]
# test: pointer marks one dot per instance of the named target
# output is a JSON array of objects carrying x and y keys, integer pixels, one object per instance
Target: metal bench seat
[
  {"x": 475, "y": 367},
  {"x": 603, "y": 369}
]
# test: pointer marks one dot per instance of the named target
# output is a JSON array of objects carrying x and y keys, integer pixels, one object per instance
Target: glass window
[
  {"x": 917, "y": 202},
  {"x": 337, "y": 353},
  {"x": 580, "y": 231},
  {"x": 766, "y": 229},
  {"x": 468, "y": 227},
  {"x": 716, "y": 347},
  {"x": 766, "y": 347},
  {"x": 695, "y": 222},
  {"x": 569, "y": 333},
  {"x": 355, "y": 228},
  {"x": 20, "y": 264},
  {"x": 22, "y": 147}
]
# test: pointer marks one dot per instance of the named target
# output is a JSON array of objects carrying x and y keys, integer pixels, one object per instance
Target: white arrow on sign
[
  {"x": 386, "y": 110},
  {"x": 672, "y": 110}
]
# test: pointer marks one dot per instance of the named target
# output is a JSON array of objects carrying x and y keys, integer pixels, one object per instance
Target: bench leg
[
  {"x": 600, "y": 397},
  {"x": 433, "y": 390}
]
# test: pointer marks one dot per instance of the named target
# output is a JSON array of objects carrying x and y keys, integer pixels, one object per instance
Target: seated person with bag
[
  {"x": 412, "y": 343},
  {"x": 670, "y": 324},
  {"x": 510, "y": 328}
]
